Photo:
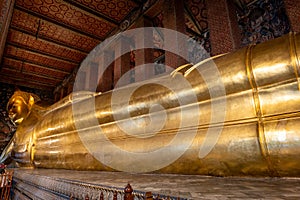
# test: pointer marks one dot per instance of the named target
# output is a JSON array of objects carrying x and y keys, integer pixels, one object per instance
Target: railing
[
  {"x": 127, "y": 194},
  {"x": 38, "y": 186},
  {"x": 5, "y": 184}
]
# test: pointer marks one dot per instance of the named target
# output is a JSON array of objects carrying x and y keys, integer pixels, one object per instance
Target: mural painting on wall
[
  {"x": 159, "y": 53},
  {"x": 198, "y": 52},
  {"x": 5, "y": 93},
  {"x": 197, "y": 29},
  {"x": 132, "y": 65},
  {"x": 7, "y": 128},
  {"x": 263, "y": 20},
  {"x": 199, "y": 47},
  {"x": 159, "y": 59}
]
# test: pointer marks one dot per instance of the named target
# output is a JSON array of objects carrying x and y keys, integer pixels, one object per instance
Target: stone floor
[{"x": 184, "y": 186}]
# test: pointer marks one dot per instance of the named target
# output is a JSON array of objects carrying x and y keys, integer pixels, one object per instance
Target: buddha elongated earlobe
[{"x": 30, "y": 102}]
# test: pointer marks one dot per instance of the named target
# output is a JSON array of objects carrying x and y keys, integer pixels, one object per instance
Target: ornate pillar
[
  {"x": 91, "y": 77},
  {"x": 105, "y": 71},
  {"x": 143, "y": 55},
  {"x": 80, "y": 81},
  {"x": 62, "y": 92},
  {"x": 69, "y": 88},
  {"x": 122, "y": 60},
  {"x": 173, "y": 18},
  {"x": 293, "y": 13},
  {"x": 225, "y": 34},
  {"x": 6, "y": 10},
  {"x": 56, "y": 96}
]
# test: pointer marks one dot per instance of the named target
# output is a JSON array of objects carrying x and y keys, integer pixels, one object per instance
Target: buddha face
[{"x": 17, "y": 109}]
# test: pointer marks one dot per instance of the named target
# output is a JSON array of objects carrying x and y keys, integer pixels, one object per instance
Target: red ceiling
[
  {"x": 69, "y": 15},
  {"x": 48, "y": 39},
  {"x": 51, "y": 31}
]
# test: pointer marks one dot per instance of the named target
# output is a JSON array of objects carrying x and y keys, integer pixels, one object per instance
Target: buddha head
[{"x": 19, "y": 106}]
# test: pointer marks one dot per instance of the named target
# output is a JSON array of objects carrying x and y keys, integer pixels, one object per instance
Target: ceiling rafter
[
  {"x": 48, "y": 39},
  {"x": 40, "y": 52},
  {"x": 37, "y": 65},
  {"x": 139, "y": 1},
  {"x": 71, "y": 64},
  {"x": 21, "y": 75},
  {"x": 8, "y": 67},
  {"x": 22, "y": 79},
  {"x": 46, "y": 47},
  {"x": 5, "y": 79},
  {"x": 57, "y": 22},
  {"x": 89, "y": 10},
  {"x": 53, "y": 32}
]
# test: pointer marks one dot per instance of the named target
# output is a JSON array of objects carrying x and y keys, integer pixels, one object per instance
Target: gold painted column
[{"x": 6, "y": 10}]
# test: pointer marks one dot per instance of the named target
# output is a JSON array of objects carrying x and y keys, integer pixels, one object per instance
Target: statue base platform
[{"x": 48, "y": 184}]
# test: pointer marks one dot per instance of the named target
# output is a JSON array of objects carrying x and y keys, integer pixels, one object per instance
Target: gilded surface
[{"x": 259, "y": 132}]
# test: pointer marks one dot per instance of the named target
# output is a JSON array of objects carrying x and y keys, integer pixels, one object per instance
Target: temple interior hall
[{"x": 191, "y": 99}]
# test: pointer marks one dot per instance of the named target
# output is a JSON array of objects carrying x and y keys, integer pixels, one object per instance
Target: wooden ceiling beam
[
  {"x": 155, "y": 9},
  {"x": 139, "y": 1},
  {"x": 9, "y": 68},
  {"x": 43, "y": 17},
  {"x": 21, "y": 84},
  {"x": 41, "y": 52},
  {"x": 48, "y": 39},
  {"x": 31, "y": 78},
  {"x": 37, "y": 65},
  {"x": 26, "y": 83},
  {"x": 89, "y": 10}
]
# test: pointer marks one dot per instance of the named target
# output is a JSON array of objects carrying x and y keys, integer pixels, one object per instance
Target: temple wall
[
  {"x": 293, "y": 12},
  {"x": 223, "y": 29},
  {"x": 232, "y": 27}
]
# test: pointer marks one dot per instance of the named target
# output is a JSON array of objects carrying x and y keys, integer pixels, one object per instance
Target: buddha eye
[{"x": 12, "y": 107}]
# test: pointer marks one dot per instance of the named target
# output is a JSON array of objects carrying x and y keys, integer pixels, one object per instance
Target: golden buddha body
[{"x": 251, "y": 128}]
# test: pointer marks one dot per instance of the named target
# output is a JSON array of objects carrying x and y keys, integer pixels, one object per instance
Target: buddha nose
[{"x": 11, "y": 114}]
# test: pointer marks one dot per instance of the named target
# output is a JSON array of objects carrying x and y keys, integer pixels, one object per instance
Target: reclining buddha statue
[{"x": 242, "y": 119}]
